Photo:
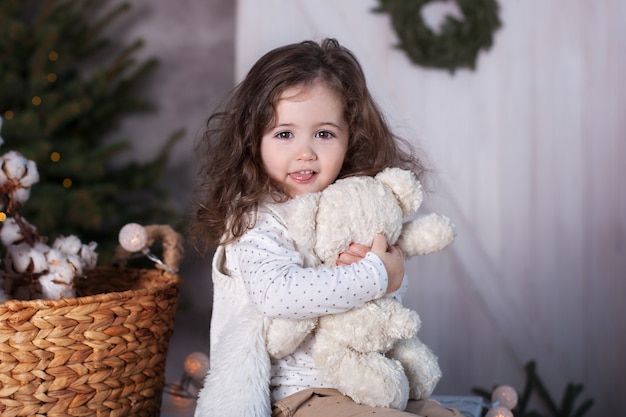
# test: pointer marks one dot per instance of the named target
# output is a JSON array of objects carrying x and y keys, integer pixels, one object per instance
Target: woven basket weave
[{"x": 99, "y": 354}]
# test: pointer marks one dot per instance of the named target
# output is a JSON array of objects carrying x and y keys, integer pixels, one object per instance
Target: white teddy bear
[{"x": 370, "y": 353}]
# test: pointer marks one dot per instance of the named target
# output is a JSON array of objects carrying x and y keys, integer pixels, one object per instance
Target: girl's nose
[
  {"x": 307, "y": 156},
  {"x": 307, "y": 153}
]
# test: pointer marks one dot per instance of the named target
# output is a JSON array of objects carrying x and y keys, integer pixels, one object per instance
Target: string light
[
  {"x": 52, "y": 77},
  {"x": 134, "y": 238},
  {"x": 184, "y": 392},
  {"x": 67, "y": 183},
  {"x": 55, "y": 156},
  {"x": 8, "y": 114},
  {"x": 53, "y": 56},
  {"x": 3, "y": 216},
  {"x": 197, "y": 365},
  {"x": 36, "y": 101},
  {"x": 504, "y": 396}
]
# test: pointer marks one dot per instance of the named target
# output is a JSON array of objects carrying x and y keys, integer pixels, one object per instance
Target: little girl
[{"x": 302, "y": 118}]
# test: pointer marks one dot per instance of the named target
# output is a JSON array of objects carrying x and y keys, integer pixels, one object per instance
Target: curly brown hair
[{"x": 232, "y": 179}]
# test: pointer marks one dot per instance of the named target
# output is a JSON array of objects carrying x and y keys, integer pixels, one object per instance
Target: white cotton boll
[
  {"x": 18, "y": 256},
  {"x": 14, "y": 165},
  {"x": 76, "y": 263},
  {"x": 54, "y": 257},
  {"x": 31, "y": 176},
  {"x": 40, "y": 262},
  {"x": 59, "y": 265},
  {"x": 54, "y": 288},
  {"x": 81, "y": 257},
  {"x": 64, "y": 271},
  {"x": 88, "y": 256},
  {"x": 20, "y": 195},
  {"x": 49, "y": 289},
  {"x": 25, "y": 258},
  {"x": 11, "y": 232},
  {"x": 69, "y": 245}
]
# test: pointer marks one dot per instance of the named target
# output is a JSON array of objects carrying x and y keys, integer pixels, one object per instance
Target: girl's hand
[
  {"x": 355, "y": 253},
  {"x": 393, "y": 258}
]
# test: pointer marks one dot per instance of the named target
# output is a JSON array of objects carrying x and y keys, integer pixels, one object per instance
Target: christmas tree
[{"x": 63, "y": 90}]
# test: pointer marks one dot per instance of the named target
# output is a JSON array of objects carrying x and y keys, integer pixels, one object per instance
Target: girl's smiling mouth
[{"x": 302, "y": 176}]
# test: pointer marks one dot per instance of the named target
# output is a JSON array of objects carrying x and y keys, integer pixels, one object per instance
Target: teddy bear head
[{"x": 355, "y": 209}]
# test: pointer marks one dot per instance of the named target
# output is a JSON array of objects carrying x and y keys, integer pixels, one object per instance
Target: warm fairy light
[
  {"x": 67, "y": 183},
  {"x": 184, "y": 392},
  {"x": 53, "y": 56},
  {"x": 52, "y": 77},
  {"x": 197, "y": 365},
  {"x": 505, "y": 396},
  {"x": 3, "y": 216},
  {"x": 8, "y": 114},
  {"x": 133, "y": 237},
  {"x": 55, "y": 156},
  {"x": 36, "y": 101}
]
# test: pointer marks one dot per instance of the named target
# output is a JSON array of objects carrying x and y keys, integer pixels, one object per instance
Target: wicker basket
[{"x": 99, "y": 354}]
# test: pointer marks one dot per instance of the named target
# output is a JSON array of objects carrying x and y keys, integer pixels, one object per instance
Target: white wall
[{"x": 530, "y": 155}]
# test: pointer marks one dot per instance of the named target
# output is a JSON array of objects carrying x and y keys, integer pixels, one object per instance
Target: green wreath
[{"x": 458, "y": 42}]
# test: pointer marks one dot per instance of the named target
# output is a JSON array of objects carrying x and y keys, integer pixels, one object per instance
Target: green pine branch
[{"x": 64, "y": 88}]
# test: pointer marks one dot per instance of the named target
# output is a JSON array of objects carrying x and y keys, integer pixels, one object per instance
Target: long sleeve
[{"x": 279, "y": 286}]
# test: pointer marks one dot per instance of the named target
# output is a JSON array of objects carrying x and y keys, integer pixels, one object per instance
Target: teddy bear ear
[{"x": 405, "y": 186}]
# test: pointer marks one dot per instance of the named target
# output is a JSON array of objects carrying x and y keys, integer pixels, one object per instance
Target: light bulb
[
  {"x": 505, "y": 396},
  {"x": 197, "y": 365},
  {"x": 133, "y": 237}
]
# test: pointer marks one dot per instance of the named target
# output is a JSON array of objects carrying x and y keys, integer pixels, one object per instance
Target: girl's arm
[{"x": 278, "y": 284}]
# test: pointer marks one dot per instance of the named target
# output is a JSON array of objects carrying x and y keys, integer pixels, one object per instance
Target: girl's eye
[
  {"x": 324, "y": 134},
  {"x": 284, "y": 135}
]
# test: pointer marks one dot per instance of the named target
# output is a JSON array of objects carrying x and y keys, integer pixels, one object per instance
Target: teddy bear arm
[
  {"x": 283, "y": 336},
  {"x": 373, "y": 327},
  {"x": 426, "y": 234}
]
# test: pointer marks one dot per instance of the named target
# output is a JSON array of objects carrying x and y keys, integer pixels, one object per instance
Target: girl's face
[{"x": 304, "y": 151}]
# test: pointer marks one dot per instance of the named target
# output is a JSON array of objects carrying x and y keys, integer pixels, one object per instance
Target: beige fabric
[{"x": 331, "y": 403}]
